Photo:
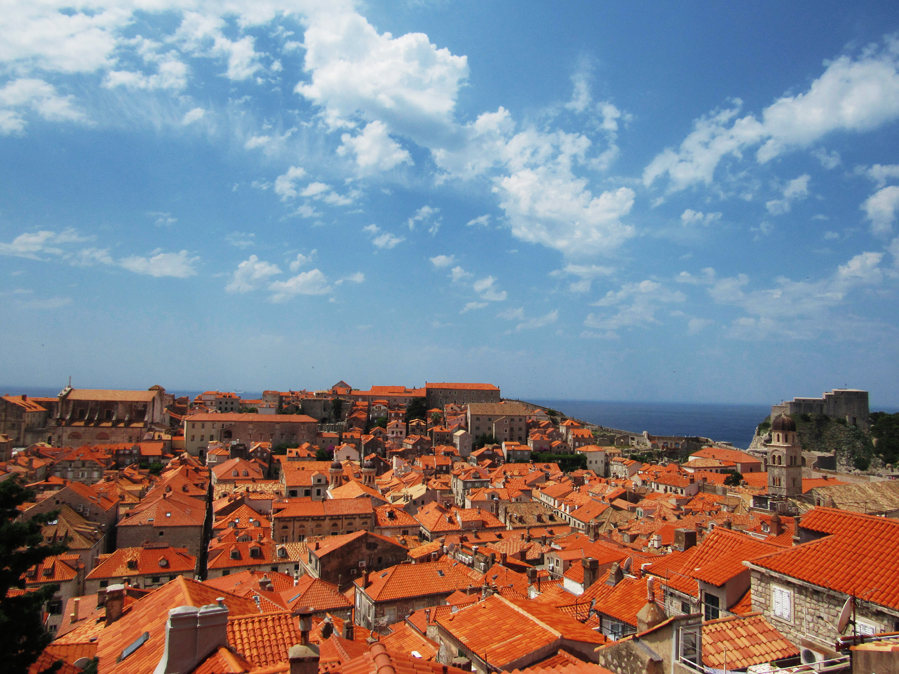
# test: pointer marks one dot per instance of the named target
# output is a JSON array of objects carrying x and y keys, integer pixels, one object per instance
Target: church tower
[
  {"x": 336, "y": 475},
  {"x": 784, "y": 459},
  {"x": 368, "y": 474}
]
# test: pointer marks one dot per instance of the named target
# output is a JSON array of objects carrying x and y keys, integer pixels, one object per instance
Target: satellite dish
[
  {"x": 845, "y": 615},
  {"x": 627, "y": 564}
]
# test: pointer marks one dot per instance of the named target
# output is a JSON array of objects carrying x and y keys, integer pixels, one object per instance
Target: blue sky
[{"x": 611, "y": 201}]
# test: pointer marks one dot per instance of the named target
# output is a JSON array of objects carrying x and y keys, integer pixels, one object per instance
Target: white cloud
[
  {"x": 314, "y": 190},
  {"x": 512, "y": 314},
  {"x": 37, "y": 95},
  {"x": 458, "y": 274},
  {"x": 285, "y": 185},
  {"x": 171, "y": 74},
  {"x": 851, "y": 95},
  {"x": 301, "y": 260},
  {"x": 637, "y": 304},
  {"x": 881, "y": 173},
  {"x": 405, "y": 82},
  {"x": 34, "y": 245},
  {"x": 311, "y": 282},
  {"x": 441, "y": 261},
  {"x": 798, "y": 309},
  {"x": 251, "y": 274},
  {"x": 163, "y": 219},
  {"x": 558, "y": 211},
  {"x": 691, "y": 217},
  {"x": 794, "y": 190},
  {"x": 480, "y": 221},
  {"x": 829, "y": 160},
  {"x": 428, "y": 216},
  {"x": 202, "y": 35},
  {"x": 486, "y": 288},
  {"x": 193, "y": 115},
  {"x": 472, "y": 306},
  {"x": 381, "y": 239},
  {"x": 241, "y": 239},
  {"x": 697, "y": 325},
  {"x": 539, "y": 322},
  {"x": 374, "y": 149},
  {"x": 358, "y": 277},
  {"x": 176, "y": 265},
  {"x": 586, "y": 272},
  {"x": 881, "y": 208}
]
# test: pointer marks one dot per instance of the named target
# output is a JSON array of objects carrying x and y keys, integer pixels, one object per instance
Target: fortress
[{"x": 841, "y": 403}]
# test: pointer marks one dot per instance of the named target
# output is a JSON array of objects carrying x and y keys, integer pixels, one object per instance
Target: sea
[{"x": 721, "y": 422}]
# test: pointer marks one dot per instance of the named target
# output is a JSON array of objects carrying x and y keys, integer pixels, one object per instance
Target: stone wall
[
  {"x": 133, "y": 536},
  {"x": 815, "y": 610}
]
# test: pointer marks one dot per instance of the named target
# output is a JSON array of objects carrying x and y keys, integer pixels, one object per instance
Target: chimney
[
  {"x": 191, "y": 634},
  {"x": 776, "y": 526},
  {"x": 684, "y": 539},
  {"x": 115, "y": 603},
  {"x": 304, "y": 656},
  {"x": 616, "y": 575},
  {"x": 76, "y": 603},
  {"x": 265, "y": 584},
  {"x": 348, "y": 629},
  {"x": 727, "y": 524},
  {"x": 591, "y": 568}
]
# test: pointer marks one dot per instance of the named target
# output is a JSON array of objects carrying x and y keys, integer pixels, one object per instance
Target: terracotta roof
[
  {"x": 721, "y": 554},
  {"x": 415, "y": 580},
  {"x": 858, "y": 555},
  {"x": 407, "y": 641},
  {"x": 264, "y": 638},
  {"x": 316, "y": 593},
  {"x": 167, "y": 510},
  {"x": 150, "y": 615},
  {"x": 110, "y": 395},
  {"x": 148, "y": 560},
  {"x": 223, "y": 661},
  {"x": 251, "y": 416},
  {"x": 380, "y": 660},
  {"x": 508, "y": 631},
  {"x": 306, "y": 507},
  {"x": 738, "y": 642}
]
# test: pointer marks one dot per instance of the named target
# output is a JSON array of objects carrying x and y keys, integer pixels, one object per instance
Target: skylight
[{"x": 137, "y": 643}]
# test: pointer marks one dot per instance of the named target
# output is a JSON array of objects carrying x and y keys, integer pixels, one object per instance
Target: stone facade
[
  {"x": 439, "y": 395},
  {"x": 813, "y": 611},
  {"x": 848, "y": 404},
  {"x": 201, "y": 429}
]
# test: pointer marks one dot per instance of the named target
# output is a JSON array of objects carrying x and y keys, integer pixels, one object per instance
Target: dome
[
  {"x": 784, "y": 424},
  {"x": 336, "y": 465}
]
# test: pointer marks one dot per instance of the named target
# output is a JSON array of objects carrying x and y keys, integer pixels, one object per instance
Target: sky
[{"x": 687, "y": 202}]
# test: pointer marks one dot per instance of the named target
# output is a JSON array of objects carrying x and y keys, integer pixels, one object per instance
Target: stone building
[
  {"x": 340, "y": 559},
  {"x": 440, "y": 394},
  {"x": 505, "y": 421},
  {"x": 841, "y": 557},
  {"x": 388, "y": 596},
  {"x": 297, "y": 518},
  {"x": 784, "y": 460},
  {"x": 96, "y": 416},
  {"x": 848, "y": 404},
  {"x": 201, "y": 429},
  {"x": 23, "y": 419}
]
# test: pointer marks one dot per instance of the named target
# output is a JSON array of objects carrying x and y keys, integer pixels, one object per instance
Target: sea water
[{"x": 726, "y": 423}]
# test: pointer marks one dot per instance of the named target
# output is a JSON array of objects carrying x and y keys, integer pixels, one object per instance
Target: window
[
  {"x": 782, "y": 603},
  {"x": 685, "y": 607},
  {"x": 711, "y": 607},
  {"x": 862, "y": 627}
]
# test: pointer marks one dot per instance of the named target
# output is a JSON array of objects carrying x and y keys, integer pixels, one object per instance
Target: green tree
[
  {"x": 336, "y": 408},
  {"x": 417, "y": 409},
  {"x": 22, "y": 634},
  {"x": 380, "y": 422},
  {"x": 734, "y": 478},
  {"x": 485, "y": 439},
  {"x": 436, "y": 417}
]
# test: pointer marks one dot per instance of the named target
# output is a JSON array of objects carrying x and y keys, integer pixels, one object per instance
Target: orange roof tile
[
  {"x": 414, "y": 580},
  {"x": 738, "y": 642},
  {"x": 721, "y": 554},
  {"x": 147, "y": 560},
  {"x": 852, "y": 546}
]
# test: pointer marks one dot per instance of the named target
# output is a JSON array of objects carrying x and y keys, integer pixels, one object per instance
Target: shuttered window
[{"x": 782, "y": 603}]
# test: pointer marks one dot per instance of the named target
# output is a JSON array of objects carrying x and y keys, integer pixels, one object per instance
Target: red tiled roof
[
  {"x": 150, "y": 614},
  {"x": 858, "y": 555},
  {"x": 508, "y": 630},
  {"x": 306, "y": 507},
  {"x": 264, "y": 638},
  {"x": 380, "y": 660},
  {"x": 406, "y": 640},
  {"x": 738, "y": 642},
  {"x": 316, "y": 593},
  {"x": 148, "y": 560},
  {"x": 721, "y": 554},
  {"x": 414, "y": 580}
]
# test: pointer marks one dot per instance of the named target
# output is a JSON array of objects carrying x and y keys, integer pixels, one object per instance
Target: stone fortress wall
[{"x": 848, "y": 404}]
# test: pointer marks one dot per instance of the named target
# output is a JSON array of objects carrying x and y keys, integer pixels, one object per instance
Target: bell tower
[{"x": 784, "y": 459}]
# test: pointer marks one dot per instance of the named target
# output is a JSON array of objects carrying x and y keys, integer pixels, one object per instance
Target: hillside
[{"x": 853, "y": 447}]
